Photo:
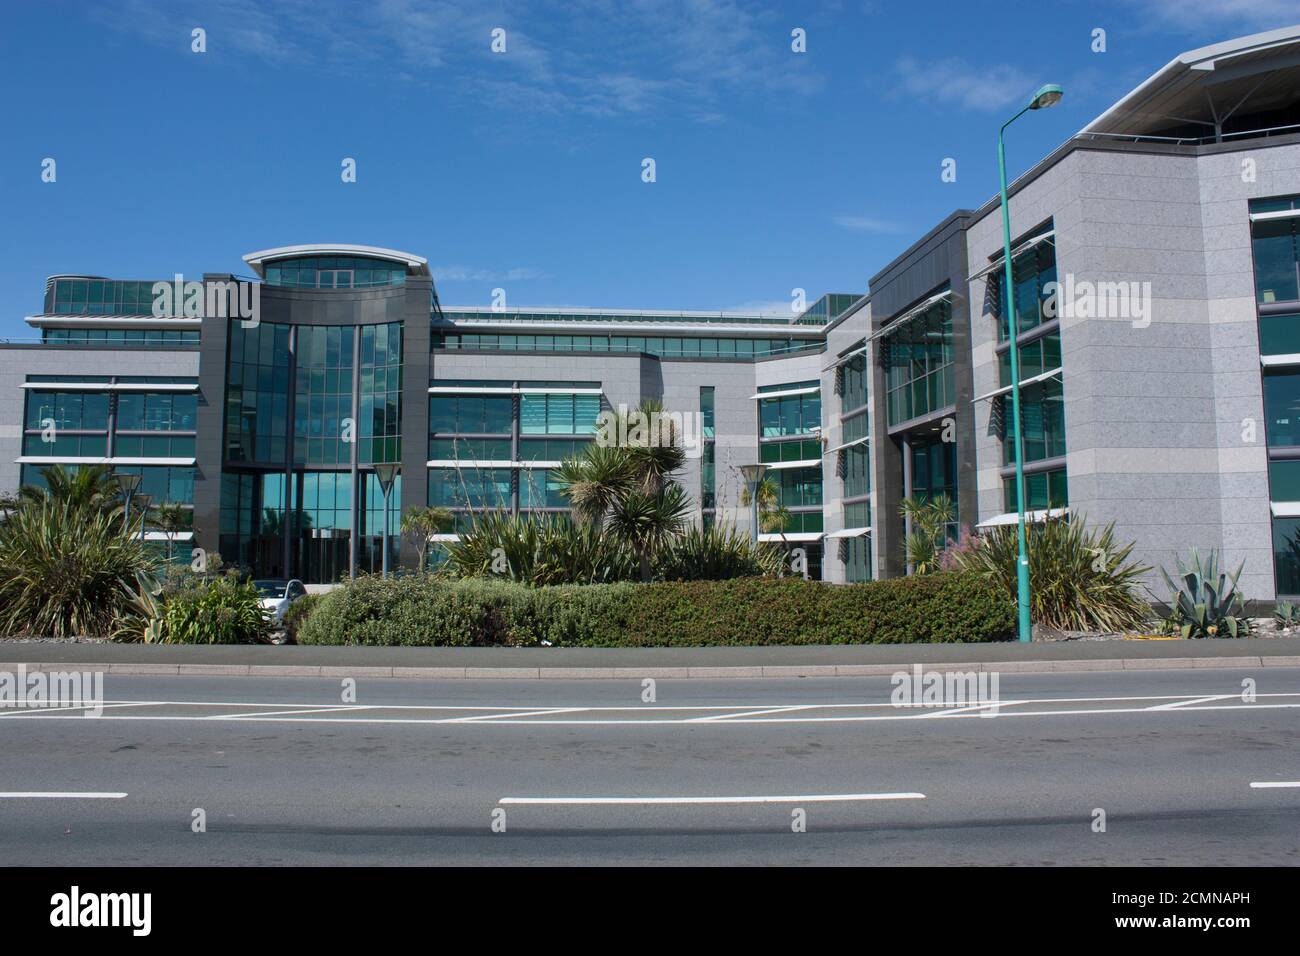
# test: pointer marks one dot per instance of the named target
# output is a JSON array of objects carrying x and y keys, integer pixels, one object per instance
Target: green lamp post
[{"x": 1046, "y": 96}]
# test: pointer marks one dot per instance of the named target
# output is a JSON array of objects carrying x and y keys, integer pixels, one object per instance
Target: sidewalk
[{"x": 571, "y": 663}]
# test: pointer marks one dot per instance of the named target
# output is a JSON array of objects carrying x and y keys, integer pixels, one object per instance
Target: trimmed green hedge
[{"x": 947, "y": 607}]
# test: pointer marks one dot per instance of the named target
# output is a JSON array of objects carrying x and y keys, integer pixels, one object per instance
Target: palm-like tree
[
  {"x": 930, "y": 518},
  {"x": 646, "y": 521},
  {"x": 90, "y": 486},
  {"x": 594, "y": 482},
  {"x": 773, "y": 516},
  {"x": 171, "y": 519},
  {"x": 629, "y": 487},
  {"x": 420, "y": 523}
]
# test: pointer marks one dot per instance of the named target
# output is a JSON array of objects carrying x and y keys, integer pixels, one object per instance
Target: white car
[{"x": 277, "y": 595}]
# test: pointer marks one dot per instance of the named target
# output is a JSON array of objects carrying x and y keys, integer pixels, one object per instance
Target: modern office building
[{"x": 1157, "y": 301}]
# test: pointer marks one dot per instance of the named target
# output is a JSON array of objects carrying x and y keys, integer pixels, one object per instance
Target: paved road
[{"x": 414, "y": 772}]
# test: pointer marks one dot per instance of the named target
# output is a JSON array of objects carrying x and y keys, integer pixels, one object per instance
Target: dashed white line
[
  {"x": 1274, "y": 784},
  {"x": 58, "y": 795},
  {"x": 670, "y": 801}
]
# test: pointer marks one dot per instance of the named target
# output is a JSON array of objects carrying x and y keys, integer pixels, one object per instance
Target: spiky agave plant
[
  {"x": 1205, "y": 599},
  {"x": 1079, "y": 578}
]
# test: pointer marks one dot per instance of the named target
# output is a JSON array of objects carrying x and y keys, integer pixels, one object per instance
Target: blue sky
[{"x": 522, "y": 170}]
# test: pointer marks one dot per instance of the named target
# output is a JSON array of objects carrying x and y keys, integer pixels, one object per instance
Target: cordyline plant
[
  {"x": 63, "y": 563},
  {"x": 1079, "y": 579},
  {"x": 628, "y": 489}
]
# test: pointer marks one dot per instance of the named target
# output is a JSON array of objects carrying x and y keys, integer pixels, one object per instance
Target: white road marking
[
  {"x": 331, "y": 709},
  {"x": 59, "y": 795},
  {"x": 667, "y": 715},
  {"x": 505, "y": 716},
  {"x": 754, "y": 713},
  {"x": 1196, "y": 700},
  {"x": 639, "y": 801},
  {"x": 1275, "y": 784}
]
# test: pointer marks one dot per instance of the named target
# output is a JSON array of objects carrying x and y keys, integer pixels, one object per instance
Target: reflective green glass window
[{"x": 1277, "y": 264}]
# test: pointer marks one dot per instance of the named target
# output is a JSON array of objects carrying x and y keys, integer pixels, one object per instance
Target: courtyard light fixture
[
  {"x": 1047, "y": 96},
  {"x": 386, "y": 473},
  {"x": 127, "y": 483},
  {"x": 753, "y": 475}
]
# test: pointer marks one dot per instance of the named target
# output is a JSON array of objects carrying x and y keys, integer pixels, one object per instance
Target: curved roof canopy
[
  {"x": 415, "y": 265},
  {"x": 1255, "y": 79}
]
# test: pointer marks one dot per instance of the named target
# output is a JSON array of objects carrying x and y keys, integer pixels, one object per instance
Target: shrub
[
  {"x": 947, "y": 607},
  {"x": 66, "y": 569},
  {"x": 298, "y": 613},
  {"x": 221, "y": 611},
  {"x": 419, "y": 609},
  {"x": 539, "y": 551},
  {"x": 1079, "y": 579},
  {"x": 715, "y": 553},
  {"x": 941, "y": 607}
]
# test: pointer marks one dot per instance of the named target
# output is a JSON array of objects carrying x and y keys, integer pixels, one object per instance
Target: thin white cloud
[
  {"x": 867, "y": 224},
  {"x": 954, "y": 82},
  {"x": 606, "y": 57},
  {"x": 1252, "y": 15}
]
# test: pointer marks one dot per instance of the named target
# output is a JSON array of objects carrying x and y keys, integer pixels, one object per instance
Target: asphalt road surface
[{"x": 1175, "y": 763}]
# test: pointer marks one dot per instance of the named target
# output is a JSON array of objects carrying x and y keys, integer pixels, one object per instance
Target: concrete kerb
[{"x": 658, "y": 673}]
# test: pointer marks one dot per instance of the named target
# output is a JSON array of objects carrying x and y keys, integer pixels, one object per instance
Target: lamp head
[
  {"x": 128, "y": 482},
  {"x": 753, "y": 473},
  {"x": 1047, "y": 96},
  {"x": 386, "y": 472}
]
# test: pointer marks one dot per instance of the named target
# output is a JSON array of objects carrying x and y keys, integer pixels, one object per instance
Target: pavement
[
  {"x": 1163, "y": 765},
  {"x": 576, "y": 663}
]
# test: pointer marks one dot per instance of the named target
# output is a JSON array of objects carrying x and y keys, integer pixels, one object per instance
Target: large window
[
  {"x": 918, "y": 360},
  {"x": 257, "y": 393},
  {"x": 856, "y": 552},
  {"x": 558, "y": 414},
  {"x": 323, "y": 400},
  {"x": 471, "y": 414},
  {"x": 790, "y": 415},
  {"x": 664, "y": 346},
  {"x": 85, "y": 296},
  {"x": 934, "y": 473},
  {"x": 1042, "y": 413},
  {"x": 379, "y": 424},
  {"x": 1286, "y": 555},
  {"x": 539, "y": 489},
  {"x": 335, "y": 272},
  {"x": 856, "y": 470},
  {"x": 156, "y": 411},
  {"x": 1034, "y": 271},
  {"x": 1282, "y": 408},
  {"x": 123, "y": 338},
  {"x": 67, "y": 410},
  {"x": 773, "y": 452},
  {"x": 855, "y": 381},
  {"x": 1276, "y": 250},
  {"x": 1043, "y": 490},
  {"x": 471, "y": 488}
]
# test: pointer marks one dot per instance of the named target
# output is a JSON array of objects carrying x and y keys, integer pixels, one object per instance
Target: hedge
[{"x": 947, "y": 607}]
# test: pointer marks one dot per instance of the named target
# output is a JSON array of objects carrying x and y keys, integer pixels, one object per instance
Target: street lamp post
[
  {"x": 127, "y": 482},
  {"x": 1046, "y": 96},
  {"x": 753, "y": 478},
  {"x": 386, "y": 473}
]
